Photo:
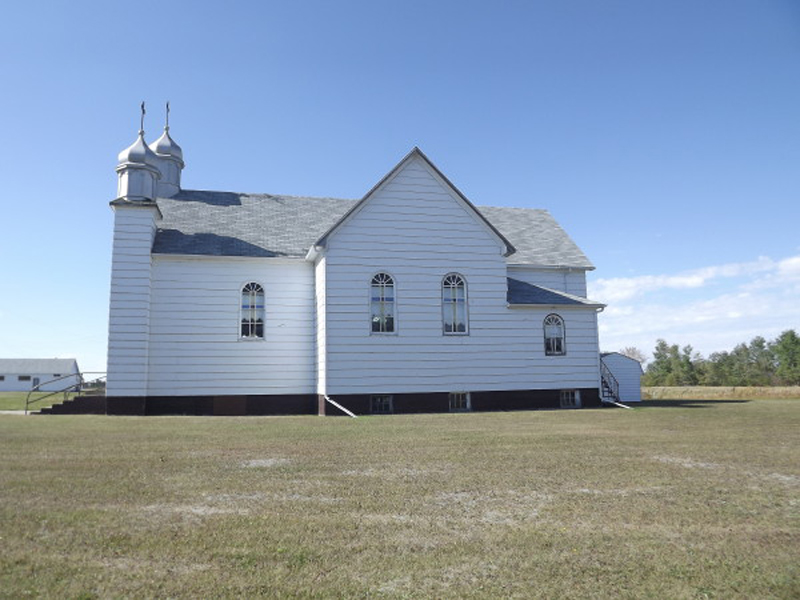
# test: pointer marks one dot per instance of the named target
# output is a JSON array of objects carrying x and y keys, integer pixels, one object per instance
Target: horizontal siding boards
[
  {"x": 194, "y": 333},
  {"x": 321, "y": 313},
  {"x": 129, "y": 305},
  {"x": 417, "y": 231}
]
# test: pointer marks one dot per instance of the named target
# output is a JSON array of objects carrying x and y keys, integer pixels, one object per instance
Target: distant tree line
[{"x": 759, "y": 363}]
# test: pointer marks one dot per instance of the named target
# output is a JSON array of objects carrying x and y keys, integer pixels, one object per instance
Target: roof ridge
[{"x": 257, "y": 194}]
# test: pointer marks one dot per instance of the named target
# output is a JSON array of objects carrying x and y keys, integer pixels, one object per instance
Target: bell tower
[{"x": 136, "y": 217}]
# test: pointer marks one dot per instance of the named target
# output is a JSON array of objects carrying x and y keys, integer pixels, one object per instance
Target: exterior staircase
[
  {"x": 89, "y": 398},
  {"x": 80, "y": 405},
  {"x": 609, "y": 386}
]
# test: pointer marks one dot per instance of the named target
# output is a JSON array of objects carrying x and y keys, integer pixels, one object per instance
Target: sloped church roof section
[{"x": 212, "y": 223}]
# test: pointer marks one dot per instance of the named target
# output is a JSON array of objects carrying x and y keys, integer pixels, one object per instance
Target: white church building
[{"x": 411, "y": 299}]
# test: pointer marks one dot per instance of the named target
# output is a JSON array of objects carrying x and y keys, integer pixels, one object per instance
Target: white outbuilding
[
  {"x": 628, "y": 373},
  {"x": 48, "y": 374}
]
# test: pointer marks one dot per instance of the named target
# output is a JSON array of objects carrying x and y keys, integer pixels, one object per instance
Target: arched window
[
  {"x": 554, "y": 342},
  {"x": 382, "y": 304},
  {"x": 252, "y": 311},
  {"x": 454, "y": 305}
]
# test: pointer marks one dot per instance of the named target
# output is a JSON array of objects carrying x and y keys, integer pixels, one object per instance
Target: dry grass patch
[
  {"x": 672, "y": 501},
  {"x": 699, "y": 392}
]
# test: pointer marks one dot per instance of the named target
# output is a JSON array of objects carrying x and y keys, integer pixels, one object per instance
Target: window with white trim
[
  {"x": 459, "y": 401},
  {"x": 570, "y": 399},
  {"x": 381, "y": 404},
  {"x": 252, "y": 321},
  {"x": 454, "y": 305},
  {"x": 382, "y": 303},
  {"x": 554, "y": 342}
]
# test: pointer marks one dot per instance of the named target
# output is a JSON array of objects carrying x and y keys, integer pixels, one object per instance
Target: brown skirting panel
[
  {"x": 481, "y": 401},
  {"x": 298, "y": 404},
  {"x": 309, "y": 404}
]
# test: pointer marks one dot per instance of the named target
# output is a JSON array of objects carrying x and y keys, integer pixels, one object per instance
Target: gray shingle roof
[
  {"x": 522, "y": 293},
  {"x": 35, "y": 366},
  {"x": 232, "y": 224}
]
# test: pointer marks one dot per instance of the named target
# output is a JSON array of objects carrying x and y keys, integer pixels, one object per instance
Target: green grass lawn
[
  {"x": 16, "y": 400},
  {"x": 672, "y": 500}
]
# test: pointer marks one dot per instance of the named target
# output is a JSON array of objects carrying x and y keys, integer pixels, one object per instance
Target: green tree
[
  {"x": 786, "y": 349},
  {"x": 761, "y": 363},
  {"x": 659, "y": 371},
  {"x": 672, "y": 365}
]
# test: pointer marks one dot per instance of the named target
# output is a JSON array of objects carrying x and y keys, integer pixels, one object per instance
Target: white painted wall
[
  {"x": 129, "y": 305},
  {"x": 571, "y": 281},
  {"x": 320, "y": 288},
  {"x": 11, "y": 382},
  {"x": 416, "y": 229},
  {"x": 195, "y": 348},
  {"x": 629, "y": 375}
]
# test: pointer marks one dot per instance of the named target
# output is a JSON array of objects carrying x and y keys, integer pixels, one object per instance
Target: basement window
[
  {"x": 380, "y": 405},
  {"x": 459, "y": 402},
  {"x": 570, "y": 399}
]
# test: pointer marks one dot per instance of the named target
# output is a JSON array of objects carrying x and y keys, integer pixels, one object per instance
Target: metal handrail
[
  {"x": 608, "y": 378},
  {"x": 80, "y": 384}
]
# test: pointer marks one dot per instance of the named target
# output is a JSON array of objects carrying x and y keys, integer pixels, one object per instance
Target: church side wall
[
  {"x": 195, "y": 347},
  {"x": 415, "y": 230}
]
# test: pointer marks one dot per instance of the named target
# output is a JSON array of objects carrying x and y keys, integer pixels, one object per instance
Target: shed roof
[
  {"x": 521, "y": 293},
  {"x": 211, "y": 223},
  {"x": 33, "y": 366}
]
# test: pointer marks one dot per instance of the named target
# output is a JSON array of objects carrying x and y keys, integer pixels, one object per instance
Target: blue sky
[{"x": 663, "y": 135}]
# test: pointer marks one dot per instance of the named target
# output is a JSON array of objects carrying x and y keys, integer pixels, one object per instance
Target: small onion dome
[
  {"x": 165, "y": 147},
  {"x": 138, "y": 152}
]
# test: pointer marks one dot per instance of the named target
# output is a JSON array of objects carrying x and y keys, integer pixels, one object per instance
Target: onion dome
[
  {"x": 166, "y": 147},
  {"x": 138, "y": 152}
]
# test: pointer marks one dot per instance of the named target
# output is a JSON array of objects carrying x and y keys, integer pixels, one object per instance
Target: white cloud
[
  {"x": 760, "y": 297},
  {"x": 624, "y": 288}
]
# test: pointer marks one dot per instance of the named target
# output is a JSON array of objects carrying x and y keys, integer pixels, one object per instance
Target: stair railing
[
  {"x": 78, "y": 384},
  {"x": 609, "y": 382}
]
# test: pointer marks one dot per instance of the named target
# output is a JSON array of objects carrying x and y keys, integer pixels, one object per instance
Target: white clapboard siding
[
  {"x": 628, "y": 372},
  {"x": 321, "y": 322},
  {"x": 195, "y": 348},
  {"x": 571, "y": 281},
  {"x": 129, "y": 305},
  {"x": 417, "y": 229}
]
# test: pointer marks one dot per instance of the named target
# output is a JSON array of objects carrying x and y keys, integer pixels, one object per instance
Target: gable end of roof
[{"x": 416, "y": 152}]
